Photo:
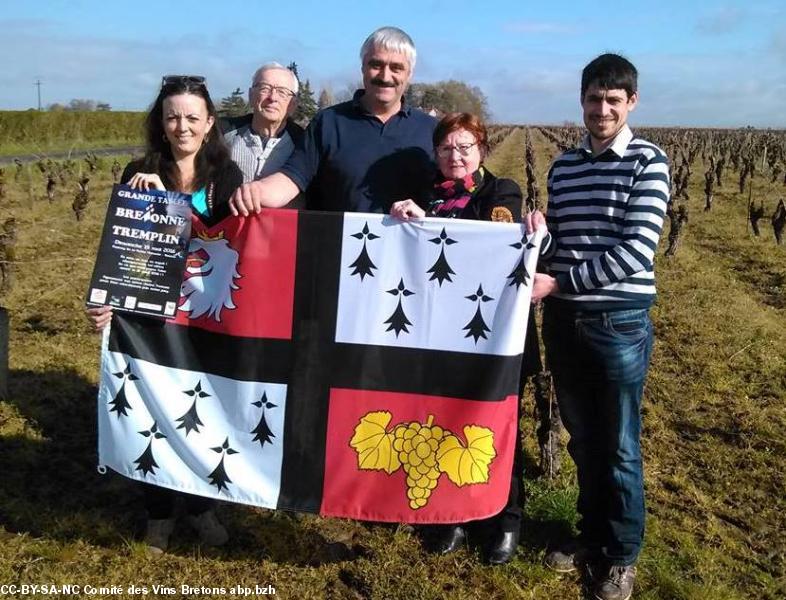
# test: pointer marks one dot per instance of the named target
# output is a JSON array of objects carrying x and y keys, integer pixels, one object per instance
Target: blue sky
[{"x": 700, "y": 63}]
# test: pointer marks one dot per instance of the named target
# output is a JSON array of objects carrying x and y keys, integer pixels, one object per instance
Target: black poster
[{"x": 143, "y": 250}]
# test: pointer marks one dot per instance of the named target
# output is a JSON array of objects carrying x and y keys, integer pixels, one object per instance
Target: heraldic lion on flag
[{"x": 208, "y": 282}]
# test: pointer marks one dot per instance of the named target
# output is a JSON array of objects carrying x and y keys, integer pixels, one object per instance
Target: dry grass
[{"x": 714, "y": 441}]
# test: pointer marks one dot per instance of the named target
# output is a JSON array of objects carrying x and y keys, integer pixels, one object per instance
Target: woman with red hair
[{"x": 465, "y": 189}]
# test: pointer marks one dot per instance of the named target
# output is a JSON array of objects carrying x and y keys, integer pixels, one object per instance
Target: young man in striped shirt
[{"x": 607, "y": 202}]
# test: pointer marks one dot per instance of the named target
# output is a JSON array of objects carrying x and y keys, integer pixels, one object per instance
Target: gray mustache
[{"x": 382, "y": 83}]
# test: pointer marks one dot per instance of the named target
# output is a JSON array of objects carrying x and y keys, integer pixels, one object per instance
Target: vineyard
[
  {"x": 35, "y": 132},
  {"x": 714, "y": 437}
]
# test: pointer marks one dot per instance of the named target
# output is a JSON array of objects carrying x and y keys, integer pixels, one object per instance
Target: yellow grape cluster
[{"x": 416, "y": 445}]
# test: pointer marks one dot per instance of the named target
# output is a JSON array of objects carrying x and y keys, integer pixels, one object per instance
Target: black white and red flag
[{"x": 343, "y": 364}]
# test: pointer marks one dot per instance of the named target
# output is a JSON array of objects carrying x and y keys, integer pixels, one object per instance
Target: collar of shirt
[
  {"x": 252, "y": 138},
  {"x": 249, "y": 129},
  {"x": 358, "y": 105},
  {"x": 618, "y": 146}
]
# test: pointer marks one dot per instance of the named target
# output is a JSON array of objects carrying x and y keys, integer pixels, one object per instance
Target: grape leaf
[
  {"x": 374, "y": 444},
  {"x": 470, "y": 464}
]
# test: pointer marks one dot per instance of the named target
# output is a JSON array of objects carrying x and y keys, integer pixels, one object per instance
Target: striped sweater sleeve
[{"x": 643, "y": 222}]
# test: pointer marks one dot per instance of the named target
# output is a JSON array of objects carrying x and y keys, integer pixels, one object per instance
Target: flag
[{"x": 343, "y": 364}]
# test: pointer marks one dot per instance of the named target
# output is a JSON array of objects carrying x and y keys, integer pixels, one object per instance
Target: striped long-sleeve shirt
[{"x": 605, "y": 214}]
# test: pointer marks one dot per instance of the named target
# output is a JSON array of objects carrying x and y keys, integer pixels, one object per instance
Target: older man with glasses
[
  {"x": 260, "y": 143},
  {"x": 361, "y": 155}
]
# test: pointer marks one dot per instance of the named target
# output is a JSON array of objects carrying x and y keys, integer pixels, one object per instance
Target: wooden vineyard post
[
  {"x": 3, "y": 353},
  {"x": 81, "y": 198},
  {"x": 533, "y": 192},
  {"x": 776, "y": 172},
  {"x": 50, "y": 186},
  {"x": 719, "y": 169},
  {"x": 7, "y": 258},
  {"x": 677, "y": 218},
  {"x": 549, "y": 424},
  {"x": 779, "y": 221},
  {"x": 709, "y": 184},
  {"x": 754, "y": 214}
]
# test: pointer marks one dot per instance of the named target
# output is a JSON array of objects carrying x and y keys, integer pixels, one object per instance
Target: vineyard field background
[
  {"x": 714, "y": 436},
  {"x": 41, "y": 133}
]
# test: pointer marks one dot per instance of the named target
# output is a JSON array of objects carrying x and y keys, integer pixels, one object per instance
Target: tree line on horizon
[
  {"x": 80, "y": 105},
  {"x": 438, "y": 98}
]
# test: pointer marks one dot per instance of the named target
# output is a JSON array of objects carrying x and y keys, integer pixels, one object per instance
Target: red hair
[{"x": 466, "y": 121}]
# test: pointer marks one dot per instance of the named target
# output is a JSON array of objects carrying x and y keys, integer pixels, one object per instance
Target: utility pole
[{"x": 38, "y": 85}]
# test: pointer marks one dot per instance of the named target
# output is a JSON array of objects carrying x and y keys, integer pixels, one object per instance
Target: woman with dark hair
[
  {"x": 465, "y": 189},
  {"x": 184, "y": 153}
]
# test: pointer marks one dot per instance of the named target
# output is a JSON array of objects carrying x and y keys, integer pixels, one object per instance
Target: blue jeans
[{"x": 599, "y": 362}]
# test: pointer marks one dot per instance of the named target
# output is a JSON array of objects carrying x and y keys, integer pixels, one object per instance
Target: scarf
[{"x": 451, "y": 196}]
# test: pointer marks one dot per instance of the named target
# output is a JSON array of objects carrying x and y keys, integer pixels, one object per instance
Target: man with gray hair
[
  {"x": 361, "y": 155},
  {"x": 260, "y": 143}
]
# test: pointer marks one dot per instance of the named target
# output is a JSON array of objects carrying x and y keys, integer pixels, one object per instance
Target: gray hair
[
  {"x": 274, "y": 66},
  {"x": 391, "y": 39}
]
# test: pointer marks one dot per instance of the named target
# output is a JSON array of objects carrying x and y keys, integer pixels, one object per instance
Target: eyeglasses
[
  {"x": 276, "y": 90},
  {"x": 463, "y": 149},
  {"x": 183, "y": 80}
]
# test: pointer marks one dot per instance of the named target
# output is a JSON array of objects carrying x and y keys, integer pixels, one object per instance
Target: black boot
[
  {"x": 447, "y": 538},
  {"x": 502, "y": 548}
]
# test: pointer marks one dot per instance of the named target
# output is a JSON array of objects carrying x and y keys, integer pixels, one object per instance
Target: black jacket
[{"x": 493, "y": 192}]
